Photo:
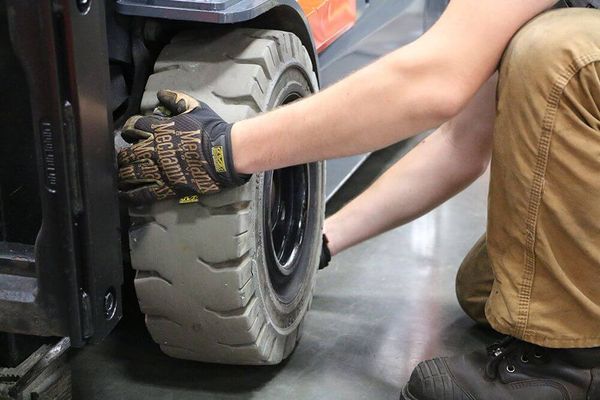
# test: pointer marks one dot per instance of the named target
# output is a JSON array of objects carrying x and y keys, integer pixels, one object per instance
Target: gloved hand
[
  {"x": 185, "y": 155},
  {"x": 325, "y": 254}
]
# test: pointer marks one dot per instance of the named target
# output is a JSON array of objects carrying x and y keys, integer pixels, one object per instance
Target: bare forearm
[
  {"x": 425, "y": 178},
  {"x": 377, "y": 106},
  {"x": 411, "y": 90},
  {"x": 441, "y": 166}
]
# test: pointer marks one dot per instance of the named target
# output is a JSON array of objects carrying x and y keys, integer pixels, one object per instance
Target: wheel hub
[{"x": 286, "y": 217}]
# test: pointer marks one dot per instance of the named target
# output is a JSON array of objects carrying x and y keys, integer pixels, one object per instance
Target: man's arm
[
  {"x": 415, "y": 88},
  {"x": 439, "y": 167}
]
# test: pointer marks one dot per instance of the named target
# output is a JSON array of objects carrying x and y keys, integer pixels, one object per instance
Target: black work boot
[{"x": 510, "y": 370}]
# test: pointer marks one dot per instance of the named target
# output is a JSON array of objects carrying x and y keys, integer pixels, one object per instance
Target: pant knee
[{"x": 474, "y": 282}]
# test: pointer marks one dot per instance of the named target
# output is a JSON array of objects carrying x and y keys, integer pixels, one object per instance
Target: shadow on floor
[{"x": 380, "y": 308}]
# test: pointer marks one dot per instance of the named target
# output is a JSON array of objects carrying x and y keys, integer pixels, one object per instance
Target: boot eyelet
[
  {"x": 524, "y": 359},
  {"x": 510, "y": 369},
  {"x": 537, "y": 355}
]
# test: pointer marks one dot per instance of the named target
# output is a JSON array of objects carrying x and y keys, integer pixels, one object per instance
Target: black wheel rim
[
  {"x": 287, "y": 194},
  {"x": 288, "y": 201}
]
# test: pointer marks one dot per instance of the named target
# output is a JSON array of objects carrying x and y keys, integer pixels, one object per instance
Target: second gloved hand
[
  {"x": 186, "y": 155},
  {"x": 325, "y": 254}
]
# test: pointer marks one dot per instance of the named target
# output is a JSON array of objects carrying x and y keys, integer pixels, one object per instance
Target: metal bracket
[
  {"x": 215, "y": 11},
  {"x": 44, "y": 375}
]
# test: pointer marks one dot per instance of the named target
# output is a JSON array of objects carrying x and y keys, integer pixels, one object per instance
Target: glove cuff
[
  {"x": 325, "y": 254},
  {"x": 217, "y": 151}
]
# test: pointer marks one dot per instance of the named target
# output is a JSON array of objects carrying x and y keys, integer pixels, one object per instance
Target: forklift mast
[
  {"x": 64, "y": 74},
  {"x": 60, "y": 251}
]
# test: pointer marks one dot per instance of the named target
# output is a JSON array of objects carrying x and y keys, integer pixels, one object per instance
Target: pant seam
[
  {"x": 537, "y": 187},
  {"x": 542, "y": 340}
]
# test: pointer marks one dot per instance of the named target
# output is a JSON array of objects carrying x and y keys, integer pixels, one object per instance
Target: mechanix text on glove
[{"x": 182, "y": 156}]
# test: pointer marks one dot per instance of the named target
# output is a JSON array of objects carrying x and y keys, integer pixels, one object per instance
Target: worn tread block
[{"x": 196, "y": 274}]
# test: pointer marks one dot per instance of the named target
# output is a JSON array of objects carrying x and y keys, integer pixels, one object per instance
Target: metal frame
[
  {"x": 69, "y": 283},
  {"x": 273, "y": 14},
  {"x": 215, "y": 11}
]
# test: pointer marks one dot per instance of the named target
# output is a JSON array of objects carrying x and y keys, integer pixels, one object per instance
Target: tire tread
[{"x": 202, "y": 304}]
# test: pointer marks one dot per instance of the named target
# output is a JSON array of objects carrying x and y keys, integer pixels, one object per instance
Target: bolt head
[{"x": 110, "y": 304}]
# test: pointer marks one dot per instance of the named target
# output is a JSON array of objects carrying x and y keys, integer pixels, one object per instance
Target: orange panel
[{"x": 329, "y": 19}]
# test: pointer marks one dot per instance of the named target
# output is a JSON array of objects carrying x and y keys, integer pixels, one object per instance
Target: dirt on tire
[{"x": 202, "y": 278}]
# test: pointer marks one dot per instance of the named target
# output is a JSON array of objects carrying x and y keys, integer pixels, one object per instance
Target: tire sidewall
[
  {"x": 202, "y": 275},
  {"x": 285, "y": 317}
]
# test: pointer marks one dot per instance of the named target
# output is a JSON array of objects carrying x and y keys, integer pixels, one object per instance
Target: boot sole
[{"x": 405, "y": 395}]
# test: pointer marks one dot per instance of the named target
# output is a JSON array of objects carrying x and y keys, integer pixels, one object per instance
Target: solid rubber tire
[{"x": 201, "y": 279}]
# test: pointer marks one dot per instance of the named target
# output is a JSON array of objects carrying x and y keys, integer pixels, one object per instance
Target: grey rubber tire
[{"x": 202, "y": 279}]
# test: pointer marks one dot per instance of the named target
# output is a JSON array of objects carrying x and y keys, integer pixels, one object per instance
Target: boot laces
[{"x": 507, "y": 349}]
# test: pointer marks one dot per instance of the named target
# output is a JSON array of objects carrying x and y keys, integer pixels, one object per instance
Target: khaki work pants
[{"x": 537, "y": 276}]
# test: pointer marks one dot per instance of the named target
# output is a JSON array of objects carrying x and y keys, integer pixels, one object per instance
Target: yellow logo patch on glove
[
  {"x": 188, "y": 199},
  {"x": 219, "y": 159}
]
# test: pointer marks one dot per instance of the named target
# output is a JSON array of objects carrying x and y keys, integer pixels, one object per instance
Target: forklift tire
[{"x": 229, "y": 279}]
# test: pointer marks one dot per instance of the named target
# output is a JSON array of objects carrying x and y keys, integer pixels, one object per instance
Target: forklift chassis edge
[
  {"x": 286, "y": 15},
  {"x": 69, "y": 283}
]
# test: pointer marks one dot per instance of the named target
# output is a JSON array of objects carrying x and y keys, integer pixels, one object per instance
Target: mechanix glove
[
  {"x": 184, "y": 156},
  {"x": 325, "y": 254}
]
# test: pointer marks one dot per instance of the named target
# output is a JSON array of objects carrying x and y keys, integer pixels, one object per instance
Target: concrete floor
[{"x": 378, "y": 310}]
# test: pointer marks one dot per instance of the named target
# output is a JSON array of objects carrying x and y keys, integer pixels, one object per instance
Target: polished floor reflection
[{"x": 378, "y": 310}]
